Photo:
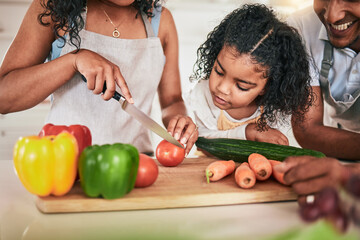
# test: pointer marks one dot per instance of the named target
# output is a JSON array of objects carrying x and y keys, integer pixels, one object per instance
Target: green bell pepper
[{"x": 108, "y": 170}]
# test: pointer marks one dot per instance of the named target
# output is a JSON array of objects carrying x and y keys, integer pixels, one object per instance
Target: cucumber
[{"x": 239, "y": 150}]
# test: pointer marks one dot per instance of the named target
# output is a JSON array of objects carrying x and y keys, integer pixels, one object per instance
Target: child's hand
[
  {"x": 96, "y": 69},
  {"x": 184, "y": 130},
  {"x": 271, "y": 135}
]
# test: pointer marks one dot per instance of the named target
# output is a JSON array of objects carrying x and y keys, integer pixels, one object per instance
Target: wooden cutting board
[{"x": 175, "y": 187}]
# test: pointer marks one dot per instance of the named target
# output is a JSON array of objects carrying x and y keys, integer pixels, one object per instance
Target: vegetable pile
[
  {"x": 258, "y": 168},
  {"x": 49, "y": 163}
]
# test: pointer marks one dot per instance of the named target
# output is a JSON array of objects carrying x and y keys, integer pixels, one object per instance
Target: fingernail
[
  {"x": 183, "y": 140},
  {"x": 131, "y": 100},
  {"x": 176, "y": 136},
  {"x": 186, "y": 155}
]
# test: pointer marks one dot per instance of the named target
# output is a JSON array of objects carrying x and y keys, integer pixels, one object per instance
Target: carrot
[
  {"x": 219, "y": 169},
  {"x": 279, "y": 176},
  {"x": 260, "y": 165},
  {"x": 244, "y": 176}
]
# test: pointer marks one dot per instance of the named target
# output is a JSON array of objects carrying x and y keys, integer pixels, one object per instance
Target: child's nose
[{"x": 224, "y": 87}]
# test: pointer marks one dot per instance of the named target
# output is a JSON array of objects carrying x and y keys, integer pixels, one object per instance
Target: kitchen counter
[{"x": 20, "y": 219}]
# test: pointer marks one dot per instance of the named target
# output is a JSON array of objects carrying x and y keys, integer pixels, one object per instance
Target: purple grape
[
  {"x": 309, "y": 212},
  {"x": 353, "y": 185},
  {"x": 355, "y": 214},
  {"x": 339, "y": 220},
  {"x": 327, "y": 200}
]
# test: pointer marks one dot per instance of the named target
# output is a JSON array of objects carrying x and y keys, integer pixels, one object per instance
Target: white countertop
[{"x": 20, "y": 219}]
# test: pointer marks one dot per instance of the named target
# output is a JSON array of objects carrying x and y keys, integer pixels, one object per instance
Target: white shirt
[
  {"x": 344, "y": 75},
  {"x": 199, "y": 101}
]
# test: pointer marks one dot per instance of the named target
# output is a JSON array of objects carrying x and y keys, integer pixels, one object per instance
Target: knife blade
[{"x": 144, "y": 119}]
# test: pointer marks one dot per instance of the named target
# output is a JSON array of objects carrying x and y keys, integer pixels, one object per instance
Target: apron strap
[
  {"x": 327, "y": 61},
  {"x": 148, "y": 27}
]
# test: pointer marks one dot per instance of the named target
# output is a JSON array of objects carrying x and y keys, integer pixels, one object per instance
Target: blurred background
[{"x": 194, "y": 20}]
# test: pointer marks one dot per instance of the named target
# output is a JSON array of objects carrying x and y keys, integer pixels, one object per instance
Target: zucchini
[{"x": 239, "y": 150}]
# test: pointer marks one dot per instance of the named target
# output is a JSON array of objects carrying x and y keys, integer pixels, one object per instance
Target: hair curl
[
  {"x": 282, "y": 53},
  {"x": 66, "y": 15}
]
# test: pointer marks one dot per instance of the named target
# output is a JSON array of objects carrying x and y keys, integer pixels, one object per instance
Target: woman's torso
[{"x": 141, "y": 63}]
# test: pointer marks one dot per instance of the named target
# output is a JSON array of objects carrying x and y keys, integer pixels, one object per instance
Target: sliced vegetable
[
  {"x": 108, "y": 170},
  {"x": 244, "y": 176},
  {"x": 219, "y": 169},
  {"x": 47, "y": 165},
  {"x": 239, "y": 150},
  {"x": 260, "y": 165}
]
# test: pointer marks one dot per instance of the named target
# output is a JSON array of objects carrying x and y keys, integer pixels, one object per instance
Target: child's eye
[
  {"x": 217, "y": 72},
  {"x": 242, "y": 89}
]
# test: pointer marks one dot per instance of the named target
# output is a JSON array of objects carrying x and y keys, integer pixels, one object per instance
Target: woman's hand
[
  {"x": 184, "y": 130},
  {"x": 270, "y": 135},
  {"x": 96, "y": 69}
]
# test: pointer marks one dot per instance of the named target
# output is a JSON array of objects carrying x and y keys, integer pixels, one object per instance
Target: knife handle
[{"x": 117, "y": 96}]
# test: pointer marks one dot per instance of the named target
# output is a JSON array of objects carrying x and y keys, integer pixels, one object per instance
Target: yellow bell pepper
[{"x": 47, "y": 165}]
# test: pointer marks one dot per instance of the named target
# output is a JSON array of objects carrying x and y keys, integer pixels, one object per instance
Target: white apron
[
  {"x": 345, "y": 115},
  {"x": 141, "y": 63}
]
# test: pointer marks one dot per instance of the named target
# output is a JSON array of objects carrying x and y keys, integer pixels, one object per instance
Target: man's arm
[{"x": 333, "y": 142}]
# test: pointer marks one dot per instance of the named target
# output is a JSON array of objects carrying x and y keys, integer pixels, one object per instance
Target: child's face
[{"x": 235, "y": 80}]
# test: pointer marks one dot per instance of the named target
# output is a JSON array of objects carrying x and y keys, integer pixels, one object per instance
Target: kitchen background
[{"x": 194, "y": 20}]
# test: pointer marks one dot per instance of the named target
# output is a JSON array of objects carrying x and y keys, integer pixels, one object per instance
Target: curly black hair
[
  {"x": 282, "y": 53},
  {"x": 66, "y": 14}
]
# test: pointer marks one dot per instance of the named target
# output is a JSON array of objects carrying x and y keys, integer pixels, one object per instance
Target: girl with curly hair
[
  {"x": 253, "y": 73},
  {"x": 131, "y": 45}
]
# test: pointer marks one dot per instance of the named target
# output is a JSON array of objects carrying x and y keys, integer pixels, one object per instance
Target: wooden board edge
[{"x": 147, "y": 203}]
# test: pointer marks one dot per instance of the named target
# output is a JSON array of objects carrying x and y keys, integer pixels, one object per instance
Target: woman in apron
[{"x": 130, "y": 45}]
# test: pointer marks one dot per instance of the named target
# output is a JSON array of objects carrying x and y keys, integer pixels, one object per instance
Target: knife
[{"x": 144, "y": 119}]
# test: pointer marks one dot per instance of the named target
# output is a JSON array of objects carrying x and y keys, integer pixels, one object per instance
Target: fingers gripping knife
[{"x": 144, "y": 119}]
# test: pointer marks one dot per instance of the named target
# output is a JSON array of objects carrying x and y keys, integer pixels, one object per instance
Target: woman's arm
[
  {"x": 174, "y": 113},
  {"x": 333, "y": 142},
  {"x": 25, "y": 80}
]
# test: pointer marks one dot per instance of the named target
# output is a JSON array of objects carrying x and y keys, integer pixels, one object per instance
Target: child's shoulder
[
  {"x": 200, "y": 95},
  {"x": 201, "y": 87}
]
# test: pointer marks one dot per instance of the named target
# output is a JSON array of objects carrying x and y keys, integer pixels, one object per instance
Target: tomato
[
  {"x": 168, "y": 154},
  {"x": 147, "y": 172}
]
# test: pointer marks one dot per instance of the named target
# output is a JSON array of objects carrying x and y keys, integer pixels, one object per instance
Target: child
[
  {"x": 104, "y": 40},
  {"x": 252, "y": 72}
]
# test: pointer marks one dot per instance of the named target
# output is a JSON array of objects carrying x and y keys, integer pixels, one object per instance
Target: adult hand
[
  {"x": 96, "y": 69},
  {"x": 184, "y": 130},
  {"x": 270, "y": 135},
  {"x": 309, "y": 175}
]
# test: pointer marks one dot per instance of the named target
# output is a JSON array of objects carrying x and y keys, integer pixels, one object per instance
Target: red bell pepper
[{"x": 81, "y": 133}]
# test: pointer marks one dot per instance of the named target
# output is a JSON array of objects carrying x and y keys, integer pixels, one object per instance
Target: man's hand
[{"x": 309, "y": 175}]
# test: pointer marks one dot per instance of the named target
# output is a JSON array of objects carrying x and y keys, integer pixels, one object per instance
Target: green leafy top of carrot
[{"x": 208, "y": 175}]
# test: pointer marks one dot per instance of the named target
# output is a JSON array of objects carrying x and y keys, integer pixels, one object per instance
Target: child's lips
[{"x": 219, "y": 100}]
